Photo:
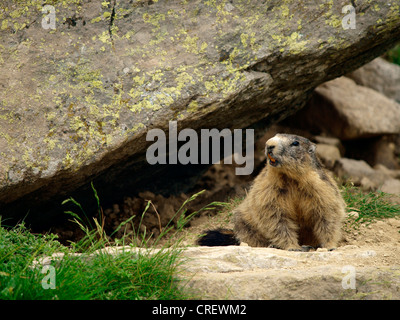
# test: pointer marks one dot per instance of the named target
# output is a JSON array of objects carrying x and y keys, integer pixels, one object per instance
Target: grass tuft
[
  {"x": 370, "y": 206},
  {"x": 393, "y": 55},
  {"x": 94, "y": 273}
]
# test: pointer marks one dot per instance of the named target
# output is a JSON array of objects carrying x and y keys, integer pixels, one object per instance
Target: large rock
[
  {"x": 76, "y": 102},
  {"x": 345, "y": 110},
  {"x": 362, "y": 112},
  {"x": 381, "y": 76},
  {"x": 264, "y": 273}
]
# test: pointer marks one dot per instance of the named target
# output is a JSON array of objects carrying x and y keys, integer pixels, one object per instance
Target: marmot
[{"x": 293, "y": 203}]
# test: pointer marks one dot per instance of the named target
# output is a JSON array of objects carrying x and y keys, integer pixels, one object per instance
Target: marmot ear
[{"x": 312, "y": 148}]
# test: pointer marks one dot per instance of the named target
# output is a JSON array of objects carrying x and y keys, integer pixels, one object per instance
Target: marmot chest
[{"x": 298, "y": 197}]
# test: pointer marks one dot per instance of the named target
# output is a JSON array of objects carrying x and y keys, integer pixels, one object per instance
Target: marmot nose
[{"x": 270, "y": 148}]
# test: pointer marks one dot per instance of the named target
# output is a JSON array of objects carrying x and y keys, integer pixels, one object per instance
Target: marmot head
[{"x": 291, "y": 153}]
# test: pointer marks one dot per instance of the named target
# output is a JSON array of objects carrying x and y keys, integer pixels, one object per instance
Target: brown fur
[{"x": 292, "y": 202}]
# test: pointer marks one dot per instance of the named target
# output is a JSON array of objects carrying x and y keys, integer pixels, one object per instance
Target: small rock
[
  {"x": 116, "y": 209},
  {"x": 391, "y": 186},
  {"x": 359, "y": 172},
  {"x": 332, "y": 141},
  {"x": 388, "y": 172},
  {"x": 367, "y": 184},
  {"x": 328, "y": 154},
  {"x": 353, "y": 214},
  {"x": 367, "y": 254}
]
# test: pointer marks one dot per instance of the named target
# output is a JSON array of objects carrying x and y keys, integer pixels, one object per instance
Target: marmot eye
[{"x": 295, "y": 143}]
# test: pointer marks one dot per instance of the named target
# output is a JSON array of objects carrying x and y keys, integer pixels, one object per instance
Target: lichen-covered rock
[{"x": 76, "y": 101}]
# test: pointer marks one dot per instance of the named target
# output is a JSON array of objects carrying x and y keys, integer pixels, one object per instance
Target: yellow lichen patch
[
  {"x": 193, "y": 45},
  {"x": 67, "y": 161},
  {"x": 296, "y": 46},
  {"x": 154, "y": 19},
  {"x": 129, "y": 34},
  {"x": 155, "y": 75},
  {"x": 135, "y": 128},
  {"x": 105, "y": 37},
  {"x": 193, "y": 106},
  {"x": 299, "y": 24},
  {"x": 164, "y": 99},
  {"x": 334, "y": 21},
  {"x": 393, "y": 16},
  {"x": 211, "y": 85},
  {"x": 286, "y": 12},
  {"x": 28, "y": 158},
  {"x": 94, "y": 20},
  {"x": 291, "y": 42},
  {"x": 182, "y": 80},
  {"x": 81, "y": 77},
  {"x": 134, "y": 93},
  {"x": 139, "y": 79},
  {"x": 51, "y": 143},
  {"x": 6, "y": 137},
  {"x": 4, "y": 24},
  {"x": 146, "y": 103},
  {"x": 243, "y": 39},
  {"x": 277, "y": 38},
  {"x": 376, "y": 8}
]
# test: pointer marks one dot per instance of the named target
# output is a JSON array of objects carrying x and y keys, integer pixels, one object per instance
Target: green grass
[
  {"x": 370, "y": 206},
  {"x": 94, "y": 274},
  {"x": 127, "y": 275},
  {"x": 393, "y": 55},
  {"x": 146, "y": 275}
]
